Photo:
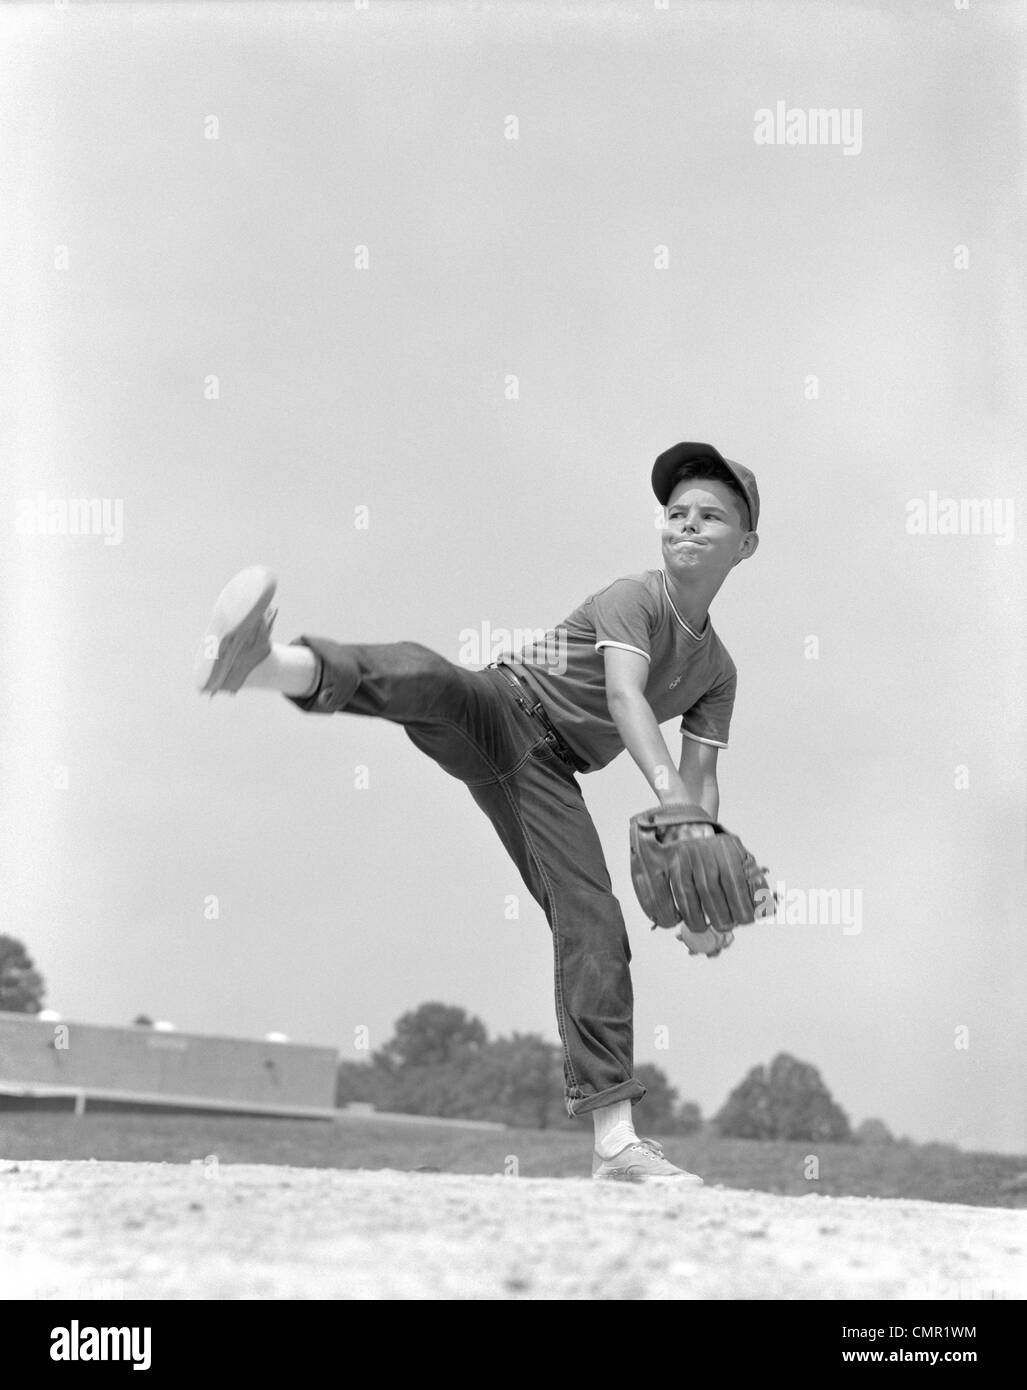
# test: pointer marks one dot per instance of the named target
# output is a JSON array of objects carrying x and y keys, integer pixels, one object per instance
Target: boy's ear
[{"x": 748, "y": 547}]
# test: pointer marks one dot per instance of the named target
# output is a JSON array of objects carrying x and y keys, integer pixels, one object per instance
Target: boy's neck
[{"x": 692, "y": 601}]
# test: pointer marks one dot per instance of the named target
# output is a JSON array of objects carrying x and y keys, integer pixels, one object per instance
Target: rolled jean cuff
[
  {"x": 335, "y": 687},
  {"x": 624, "y": 1090}
]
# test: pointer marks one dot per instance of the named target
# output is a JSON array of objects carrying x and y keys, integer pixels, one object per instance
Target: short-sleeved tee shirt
[{"x": 690, "y": 673}]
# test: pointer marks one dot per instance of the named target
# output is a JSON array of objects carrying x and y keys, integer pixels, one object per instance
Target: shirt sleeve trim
[
  {"x": 624, "y": 647},
  {"x": 713, "y": 742}
]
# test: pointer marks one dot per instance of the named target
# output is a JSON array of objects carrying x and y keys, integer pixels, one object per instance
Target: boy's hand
[
  {"x": 690, "y": 873},
  {"x": 709, "y": 942},
  {"x": 706, "y": 943}
]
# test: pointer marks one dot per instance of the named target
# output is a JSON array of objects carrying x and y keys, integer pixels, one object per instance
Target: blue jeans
[{"x": 473, "y": 724}]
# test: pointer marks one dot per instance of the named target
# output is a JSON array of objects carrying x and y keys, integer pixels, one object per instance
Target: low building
[{"x": 44, "y": 1059}]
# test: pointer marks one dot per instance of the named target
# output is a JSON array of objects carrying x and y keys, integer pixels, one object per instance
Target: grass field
[{"x": 930, "y": 1172}]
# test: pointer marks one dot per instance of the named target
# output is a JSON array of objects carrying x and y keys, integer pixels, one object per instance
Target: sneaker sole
[
  {"x": 682, "y": 1179},
  {"x": 240, "y": 607}
]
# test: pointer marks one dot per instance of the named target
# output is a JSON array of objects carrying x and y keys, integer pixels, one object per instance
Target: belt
[{"x": 531, "y": 704}]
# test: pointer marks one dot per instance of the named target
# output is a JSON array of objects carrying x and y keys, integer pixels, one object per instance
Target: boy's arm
[
  {"x": 698, "y": 770},
  {"x": 626, "y": 676}
]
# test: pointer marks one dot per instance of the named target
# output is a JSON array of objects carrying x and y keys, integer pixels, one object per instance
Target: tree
[
  {"x": 432, "y": 1035},
  {"x": 427, "y": 1066},
  {"x": 747, "y": 1112},
  {"x": 688, "y": 1119},
  {"x": 21, "y": 986},
  {"x": 443, "y": 1088},
  {"x": 519, "y": 1080},
  {"x": 874, "y": 1132},
  {"x": 514, "y": 1080},
  {"x": 440, "y": 1061},
  {"x": 788, "y": 1101},
  {"x": 802, "y": 1104},
  {"x": 142, "y": 1021}
]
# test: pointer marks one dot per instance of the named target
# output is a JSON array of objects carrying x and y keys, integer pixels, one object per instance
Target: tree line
[{"x": 441, "y": 1061}]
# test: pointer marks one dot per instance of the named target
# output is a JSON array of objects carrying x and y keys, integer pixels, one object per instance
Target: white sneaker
[
  {"x": 641, "y": 1161},
  {"x": 238, "y": 636}
]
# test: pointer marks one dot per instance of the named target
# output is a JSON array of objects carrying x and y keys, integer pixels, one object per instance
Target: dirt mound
[{"x": 210, "y": 1230}]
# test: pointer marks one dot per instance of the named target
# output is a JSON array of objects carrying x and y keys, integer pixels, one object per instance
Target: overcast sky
[{"x": 646, "y": 272}]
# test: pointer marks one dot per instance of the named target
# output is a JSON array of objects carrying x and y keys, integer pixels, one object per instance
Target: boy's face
[{"x": 704, "y": 533}]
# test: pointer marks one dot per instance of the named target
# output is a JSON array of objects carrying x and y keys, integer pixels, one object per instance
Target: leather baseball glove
[{"x": 690, "y": 873}]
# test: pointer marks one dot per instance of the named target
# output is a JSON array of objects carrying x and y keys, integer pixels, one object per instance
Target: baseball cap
[{"x": 671, "y": 460}]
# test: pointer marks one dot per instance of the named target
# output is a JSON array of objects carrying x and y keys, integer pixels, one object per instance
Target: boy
[{"x": 633, "y": 655}]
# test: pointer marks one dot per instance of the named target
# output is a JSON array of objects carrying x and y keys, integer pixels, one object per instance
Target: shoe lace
[{"x": 650, "y": 1146}]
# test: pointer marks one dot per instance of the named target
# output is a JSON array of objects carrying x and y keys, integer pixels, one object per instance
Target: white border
[
  {"x": 712, "y": 742},
  {"x": 623, "y": 647}
]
